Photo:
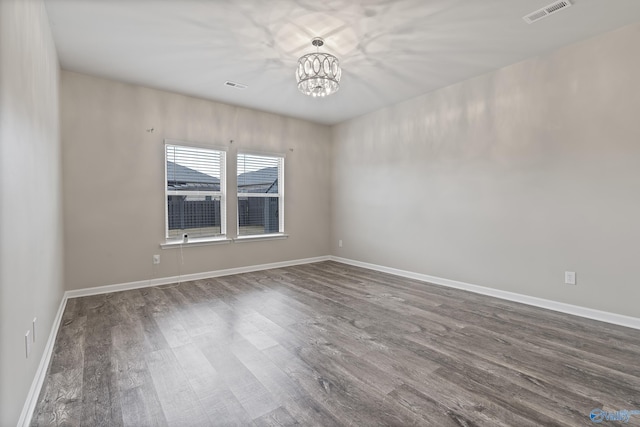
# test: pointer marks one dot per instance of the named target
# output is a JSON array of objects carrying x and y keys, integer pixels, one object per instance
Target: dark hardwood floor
[{"x": 329, "y": 344}]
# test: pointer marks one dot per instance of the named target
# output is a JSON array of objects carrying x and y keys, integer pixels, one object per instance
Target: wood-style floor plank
[
  {"x": 328, "y": 344},
  {"x": 180, "y": 405}
]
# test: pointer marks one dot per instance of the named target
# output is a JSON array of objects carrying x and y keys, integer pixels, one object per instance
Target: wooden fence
[
  {"x": 252, "y": 212},
  {"x": 185, "y": 214}
]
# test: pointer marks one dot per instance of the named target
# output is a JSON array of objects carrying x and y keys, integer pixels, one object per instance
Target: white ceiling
[{"x": 389, "y": 50}]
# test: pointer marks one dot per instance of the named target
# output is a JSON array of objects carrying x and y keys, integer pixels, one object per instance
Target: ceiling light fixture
[{"x": 318, "y": 74}]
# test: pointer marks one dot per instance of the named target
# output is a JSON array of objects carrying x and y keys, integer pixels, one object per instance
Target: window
[
  {"x": 195, "y": 192},
  {"x": 260, "y": 194}
]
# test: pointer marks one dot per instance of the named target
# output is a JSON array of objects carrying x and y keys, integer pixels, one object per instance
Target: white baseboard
[
  {"x": 590, "y": 313},
  {"x": 41, "y": 373},
  {"x": 187, "y": 277}
]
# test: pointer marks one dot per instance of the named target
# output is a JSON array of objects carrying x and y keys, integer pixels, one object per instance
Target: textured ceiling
[{"x": 389, "y": 50}]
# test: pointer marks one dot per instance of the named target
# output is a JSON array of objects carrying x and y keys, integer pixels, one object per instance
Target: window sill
[
  {"x": 253, "y": 238},
  {"x": 201, "y": 241}
]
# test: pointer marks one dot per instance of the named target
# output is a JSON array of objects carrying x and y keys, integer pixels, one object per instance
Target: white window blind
[
  {"x": 195, "y": 192},
  {"x": 260, "y": 194}
]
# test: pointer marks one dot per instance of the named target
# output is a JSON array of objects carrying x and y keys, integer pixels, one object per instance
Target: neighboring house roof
[
  {"x": 262, "y": 176},
  {"x": 180, "y": 177},
  {"x": 177, "y": 172},
  {"x": 261, "y": 181},
  {"x": 184, "y": 178}
]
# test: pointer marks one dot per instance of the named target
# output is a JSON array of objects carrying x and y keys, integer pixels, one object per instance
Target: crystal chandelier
[{"x": 318, "y": 74}]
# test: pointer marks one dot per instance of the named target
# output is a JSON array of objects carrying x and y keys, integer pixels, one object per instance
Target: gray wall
[
  {"x": 30, "y": 202},
  {"x": 506, "y": 180},
  {"x": 114, "y": 180}
]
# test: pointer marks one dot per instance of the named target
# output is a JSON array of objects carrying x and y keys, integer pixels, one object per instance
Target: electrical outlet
[
  {"x": 27, "y": 343},
  {"x": 33, "y": 329},
  {"x": 570, "y": 277},
  {"x": 156, "y": 259},
  {"x": 339, "y": 243}
]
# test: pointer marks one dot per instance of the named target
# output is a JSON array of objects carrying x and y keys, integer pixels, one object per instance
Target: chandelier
[{"x": 318, "y": 74}]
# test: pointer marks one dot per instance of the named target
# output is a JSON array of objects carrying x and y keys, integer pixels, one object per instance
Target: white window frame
[
  {"x": 222, "y": 194},
  {"x": 279, "y": 194}
]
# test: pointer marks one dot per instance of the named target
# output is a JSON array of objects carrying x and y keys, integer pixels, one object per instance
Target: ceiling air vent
[
  {"x": 234, "y": 84},
  {"x": 546, "y": 11}
]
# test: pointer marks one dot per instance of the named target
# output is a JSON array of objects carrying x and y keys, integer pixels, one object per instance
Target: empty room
[{"x": 339, "y": 213}]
